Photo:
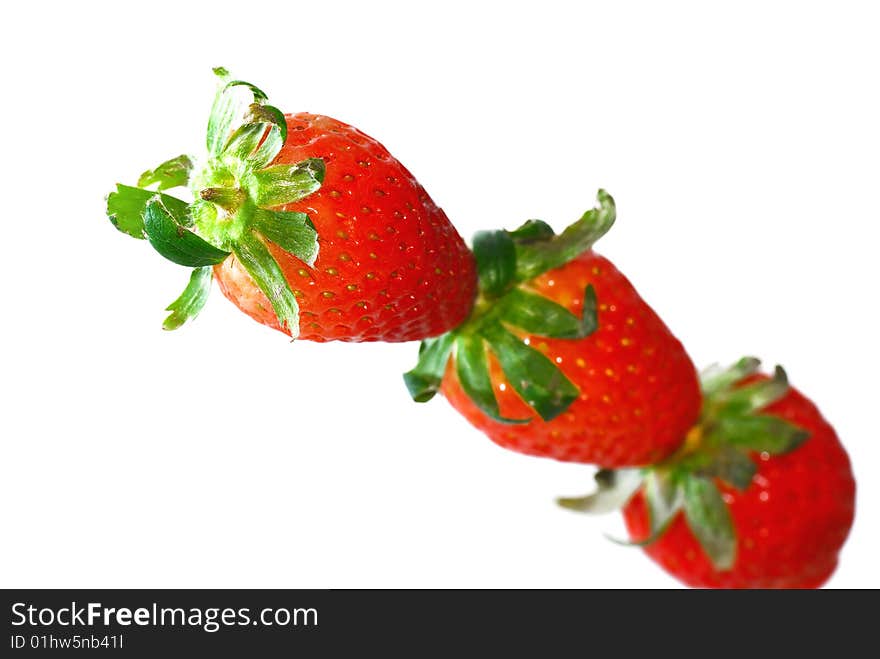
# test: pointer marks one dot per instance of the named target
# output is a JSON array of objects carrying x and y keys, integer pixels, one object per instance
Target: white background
[{"x": 741, "y": 145}]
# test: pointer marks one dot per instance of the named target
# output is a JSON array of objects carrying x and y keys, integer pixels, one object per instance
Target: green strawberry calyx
[
  {"x": 506, "y": 308},
  {"x": 723, "y": 448},
  {"x": 236, "y": 191}
]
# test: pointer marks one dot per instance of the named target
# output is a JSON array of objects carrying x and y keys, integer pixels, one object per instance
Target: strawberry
[
  {"x": 309, "y": 226},
  {"x": 561, "y": 357},
  {"x": 760, "y": 496}
]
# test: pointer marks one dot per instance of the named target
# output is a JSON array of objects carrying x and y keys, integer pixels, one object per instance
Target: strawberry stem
[
  {"x": 236, "y": 191},
  {"x": 229, "y": 199}
]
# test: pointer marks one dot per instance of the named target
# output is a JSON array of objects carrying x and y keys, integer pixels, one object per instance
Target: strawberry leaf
[
  {"x": 266, "y": 273},
  {"x": 709, "y": 519},
  {"x": 534, "y": 258},
  {"x": 532, "y": 231},
  {"x": 472, "y": 368},
  {"x": 170, "y": 174},
  {"x": 251, "y": 142},
  {"x": 716, "y": 379},
  {"x": 127, "y": 205},
  {"x": 495, "y": 254},
  {"x": 258, "y": 94},
  {"x": 191, "y": 301},
  {"x": 753, "y": 397},
  {"x": 274, "y": 120},
  {"x": 285, "y": 184},
  {"x": 614, "y": 489},
  {"x": 724, "y": 462},
  {"x": 294, "y": 232},
  {"x": 424, "y": 380},
  {"x": 268, "y": 149},
  {"x": 536, "y": 314},
  {"x": 268, "y": 114},
  {"x": 232, "y": 101},
  {"x": 767, "y": 434},
  {"x": 664, "y": 499},
  {"x": 244, "y": 141},
  {"x": 532, "y": 375},
  {"x": 176, "y": 243}
]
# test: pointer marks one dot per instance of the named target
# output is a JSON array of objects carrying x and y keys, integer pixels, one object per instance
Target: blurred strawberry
[
  {"x": 761, "y": 495},
  {"x": 562, "y": 358}
]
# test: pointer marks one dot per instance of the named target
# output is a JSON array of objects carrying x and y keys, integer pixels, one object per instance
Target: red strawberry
[
  {"x": 789, "y": 520},
  {"x": 562, "y": 358},
  {"x": 391, "y": 266},
  {"x": 275, "y": 189},
  {"x": 761, "y": 495}
]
